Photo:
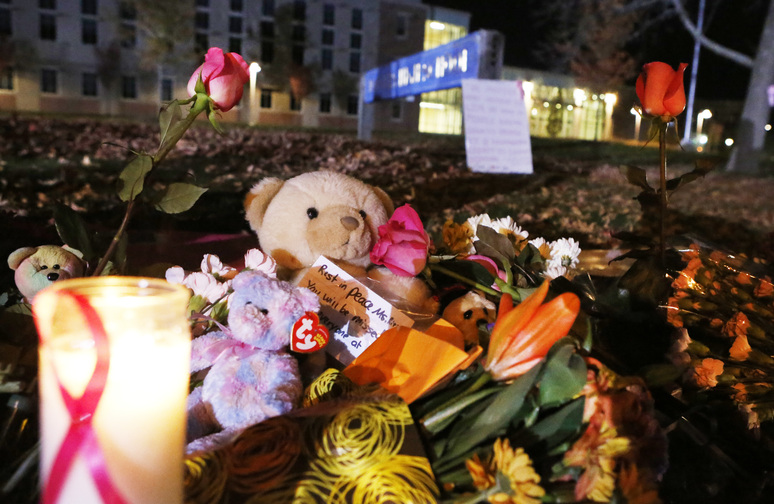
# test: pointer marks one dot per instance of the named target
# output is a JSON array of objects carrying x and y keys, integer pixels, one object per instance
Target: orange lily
[{"x": 522, "y": 336}]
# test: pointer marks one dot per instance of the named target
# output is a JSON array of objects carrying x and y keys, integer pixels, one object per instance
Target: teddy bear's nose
[
  {"x": 349, "y": 223},
  {"x": 53, "y": 276}
]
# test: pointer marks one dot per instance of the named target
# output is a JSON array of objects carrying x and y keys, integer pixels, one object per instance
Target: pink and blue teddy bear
[{"x": 251, "y": 377}]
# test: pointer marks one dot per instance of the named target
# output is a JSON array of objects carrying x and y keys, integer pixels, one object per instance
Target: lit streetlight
[
  {"x": 700, "y": 117},
  {"x": 637, "y": 122},
  {"x": 254, "y": 69}
]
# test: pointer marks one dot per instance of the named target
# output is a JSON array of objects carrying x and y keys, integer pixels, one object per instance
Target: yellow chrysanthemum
[
  {"x": 458, "y": 237},
  {"x": 517, "y": 468}
]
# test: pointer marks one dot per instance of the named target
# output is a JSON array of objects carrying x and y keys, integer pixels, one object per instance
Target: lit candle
[{"x": 133, "y": 378}]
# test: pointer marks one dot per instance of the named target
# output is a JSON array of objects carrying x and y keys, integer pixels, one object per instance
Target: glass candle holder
[{"x": 114, "y": 371}]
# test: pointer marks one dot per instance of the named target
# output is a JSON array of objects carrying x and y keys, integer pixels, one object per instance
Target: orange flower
[
  {"x": 661, "y": 90},
  {"x": 522, "y": 336},
  {"x": 741, "y": 349},
  {"x": 706, "y": 373}
]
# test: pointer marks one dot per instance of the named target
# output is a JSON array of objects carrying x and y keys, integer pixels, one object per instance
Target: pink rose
[
  {"x": 224, "y": 76},
  {"x": 403, "y": 243}
]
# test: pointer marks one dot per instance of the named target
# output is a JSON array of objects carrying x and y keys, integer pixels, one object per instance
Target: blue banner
[{"x": 442, "y": 67}]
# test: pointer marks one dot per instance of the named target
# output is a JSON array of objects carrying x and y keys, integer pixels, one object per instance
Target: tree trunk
[{"x": 750, "y": 135}]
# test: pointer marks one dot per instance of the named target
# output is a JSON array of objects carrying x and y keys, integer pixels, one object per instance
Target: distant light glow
[
  {"x": 437, "y": 25},
  {"x": 527, "y": 86},
  {"x": 767, "y": 127},
  {"x": 705, "y": 114},
  {"x": 430, "y": 105},
  {"x": 579, "y": 96},
  {"x": 729, "y": 142},
  {"x": 610, "y": 98},
  {"x": 569, "y": 107},
  {"x": 702, "y": 139},
  {"x": 534, "y": 111}
]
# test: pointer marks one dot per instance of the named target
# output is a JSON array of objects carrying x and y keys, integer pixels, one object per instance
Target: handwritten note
[
  {"x": 353, "y": 314},
  {"x": 496, "y": 126}
]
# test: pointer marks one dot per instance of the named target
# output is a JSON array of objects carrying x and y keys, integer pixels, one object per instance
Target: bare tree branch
[{"x": 736, "y": 57}]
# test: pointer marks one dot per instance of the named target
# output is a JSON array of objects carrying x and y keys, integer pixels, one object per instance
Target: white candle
[{"x": 141, "y": 415}]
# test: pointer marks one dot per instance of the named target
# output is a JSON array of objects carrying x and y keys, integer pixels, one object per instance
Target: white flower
[
  {"x": 212, "y": 264},
  {"x": 508, "y": 227},
  {"x": 207, "y": 286},
  {"x": 256, "y": 260},
  {"x": 563, "y": 259},
  {"x": 542, "y": 246},
  {"x": 479, "y": 220},
  {"x": 175, "y": 275}
]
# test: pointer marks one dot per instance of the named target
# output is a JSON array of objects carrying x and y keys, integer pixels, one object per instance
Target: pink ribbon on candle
[{"x": 81, "y": 437}]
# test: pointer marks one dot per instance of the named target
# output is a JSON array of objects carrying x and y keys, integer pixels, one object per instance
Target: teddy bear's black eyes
[
  {"x": 312, "y": 212},
  {"x": 362, "y": 214},
  {"x": 44, "y": 267},
  {"x": 264, "y": 311},
  {"x": 56, "y": 266},
  {"x": 467, "y": 315}
]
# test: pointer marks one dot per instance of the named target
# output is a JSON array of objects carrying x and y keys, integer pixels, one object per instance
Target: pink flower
[
  {"x": 224, "y": 76},
  {"x": 403, "y": 243},
  {"x": 490, "y": 265}
]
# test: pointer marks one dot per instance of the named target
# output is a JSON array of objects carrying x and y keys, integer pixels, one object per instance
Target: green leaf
[
  {"x": 564, "y": 377},
  {"x": 555, "y": 427},
  {"x": 133, "y": 177},
  {"x": 493, "y": 421},
  {"x": 703, "y": 167},
  {"x": 212, "y": 116},
  {"x": 636, "y": 176},
  {"x": 494, "y": 245},
  {"x": 72, "y": 230},
  {"x": 169, "y": 117},
  {"x": 179, "y": 197}
]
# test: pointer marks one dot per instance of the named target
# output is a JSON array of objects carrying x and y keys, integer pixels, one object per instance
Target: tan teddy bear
[
  {"x": 330, "y": 214},
  {"x": 317, "y": 213}
]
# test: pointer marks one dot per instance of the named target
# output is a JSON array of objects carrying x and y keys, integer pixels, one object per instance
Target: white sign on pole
[
  {"x": 770, "y": 92},
  {"x": 496, "y": 126}
]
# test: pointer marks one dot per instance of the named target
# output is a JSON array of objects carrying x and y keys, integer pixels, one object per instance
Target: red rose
[
  {"x": 661, "y": 90},
  {"x": 224, "y": 76},
  {"x": 403, "y": 243}
]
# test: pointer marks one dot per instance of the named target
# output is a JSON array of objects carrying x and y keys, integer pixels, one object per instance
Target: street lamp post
[
  {"x": 254, "y": 69},
  {"x": 700, "y": 117}
]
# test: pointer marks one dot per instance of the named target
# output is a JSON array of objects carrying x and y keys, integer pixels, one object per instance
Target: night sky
[{"x": 735, "y": 23}]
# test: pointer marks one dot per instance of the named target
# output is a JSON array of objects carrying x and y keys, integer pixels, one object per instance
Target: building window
[
  {"x": 89, "y": 7},
  {"x": 201, "y": 43},
  {"x": 128, "y": 86},
  {"x": 352, "y": 104},
  {"x": 294, "y": 103},
  {"x": 5, "y": 22},
  {"x": 329, "y": 14},
  {"x": 326, "y": 59},
  {"x": 327, "y": 37},
  {"x": 265, "y": 98},
  {"x": 267, "y": 51},
  {"x": 357, "y": 19},
  {"x": 202, "y": 20},
  {"x": 299, "y": 10},
  {"x": 48, "y": 80},
  {"x": 236, "y": 5},
  {"x": 89, "y": 31},
  {"x": 128, "y": 35},
  {"x": 47, "y": 4},
  {"x": 6, "y": 79},
  {"x": 396, "y": 114},
  {"x": 401, "y": 25},
  {"x": 235, "y": 24},
  {"x": 299, "y": 33},
  {"x": 89, "y": 84},
  {"x": 354, "y": 62},
  {"x": 235, "y": 45},
  {"x": 165, "y": 89},
  {"x": 298, "y": 54},
  {"x": 267, "y": 9},
  {"x": 267, "y": 30},
  {"x": 325, "y": 103},
  {"x": 355, "y": 41},
  {"x": 47, "y": 27}
]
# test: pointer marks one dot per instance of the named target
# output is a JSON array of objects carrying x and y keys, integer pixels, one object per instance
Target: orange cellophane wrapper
[{"x": 409, "y": 362}]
